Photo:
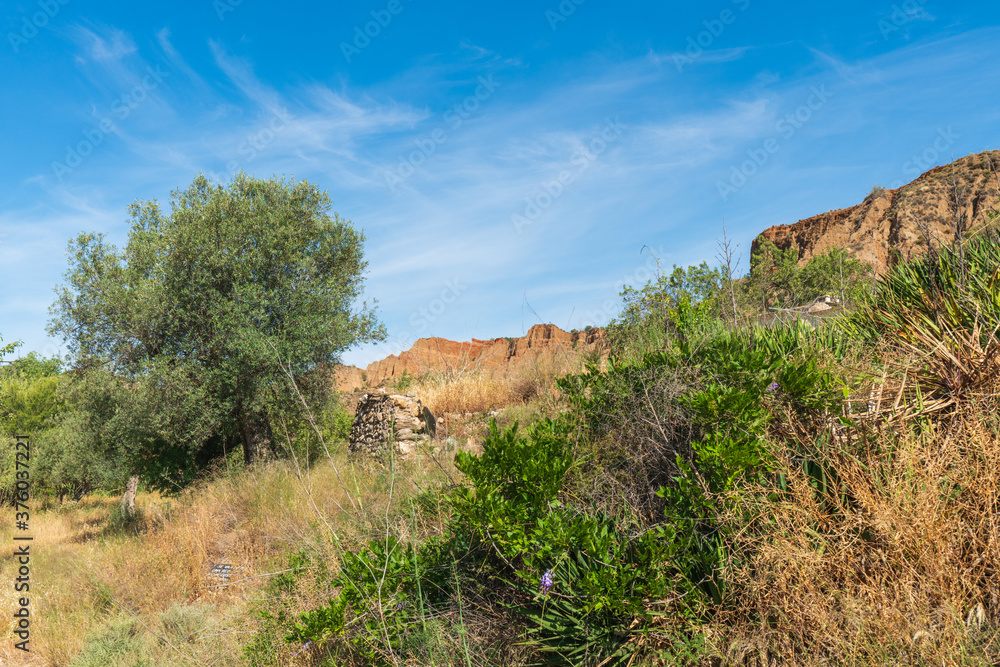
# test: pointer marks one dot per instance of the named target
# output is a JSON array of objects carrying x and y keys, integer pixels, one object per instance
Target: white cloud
[
  {"x": 682, "y": 60},
  {"x": 451, "y": 219},
  {"x": 112, "y": 44}
]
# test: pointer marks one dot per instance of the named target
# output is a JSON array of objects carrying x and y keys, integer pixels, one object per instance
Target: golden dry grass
[
  {"x": 86, "y": 574},
  {"x": 479, "y": 390},
  {"x": 897, "y": 564}
]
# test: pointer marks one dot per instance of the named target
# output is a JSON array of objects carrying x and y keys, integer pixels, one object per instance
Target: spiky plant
[
  {"x": 934, "y": 370},
  {"x": 934, "y": 322},
  {"x": 956, "y": 288}
]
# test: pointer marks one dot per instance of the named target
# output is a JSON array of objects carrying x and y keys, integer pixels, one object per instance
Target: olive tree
[{"x": 213, "y": 304}]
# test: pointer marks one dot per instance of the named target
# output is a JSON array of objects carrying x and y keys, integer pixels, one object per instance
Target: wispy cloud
[
  {"x": 112, "y": 44},
  {"x": 707, "y": 57},
  {"x": 654, "y": 184}
]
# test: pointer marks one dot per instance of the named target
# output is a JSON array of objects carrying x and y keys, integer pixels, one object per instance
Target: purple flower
[
  {"x": 546, "y": 582},
  {"x": 773, "y": 387},
  {"x": 305, "y": 647}
]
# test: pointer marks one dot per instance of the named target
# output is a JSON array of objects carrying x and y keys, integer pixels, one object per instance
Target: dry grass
[
  {"x": 90, "y": 576},
  {"x": 470, "y": 392},
  {"x": 482, "y": 390},
  {"x": 897, "y": 563}
]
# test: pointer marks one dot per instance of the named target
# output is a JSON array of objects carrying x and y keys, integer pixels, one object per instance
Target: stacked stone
[{"x": 382, "y": 419}]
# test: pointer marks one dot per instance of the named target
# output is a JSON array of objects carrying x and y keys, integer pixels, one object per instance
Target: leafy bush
[
  {"x": 680, "y": 431},
  {"x": 776, "y": 280},
  {"x": 308, "y": 436},
  {"x": 699, "y": 301},
  {"x": 876, "y": 192},
  {"x": 509, "y": 526},
  {"x": 33, "y": 366},
  {"x": 103, "y": 435},
  {"x": 664, "y": 305},
  {"x": 30, "y": 404}
]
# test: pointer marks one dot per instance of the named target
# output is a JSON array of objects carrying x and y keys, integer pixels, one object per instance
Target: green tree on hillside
[
  {"x": 776, "y": 280},
  {"x": 650, "y": 312},
  {"x": 203, "y": 311},
  {"x": 774, "y": 276},
  {"x": 32, "y": 366}
]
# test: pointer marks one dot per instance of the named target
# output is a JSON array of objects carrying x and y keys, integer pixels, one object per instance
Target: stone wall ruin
[{"x": 383, "y": 419}]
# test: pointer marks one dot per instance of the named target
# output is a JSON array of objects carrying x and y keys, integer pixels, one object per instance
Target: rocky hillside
[
  {"x": 501, "y": 355},
  {"x": 964, "y": 191}
]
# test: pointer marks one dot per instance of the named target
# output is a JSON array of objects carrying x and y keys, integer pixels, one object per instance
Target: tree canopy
[{"x": 207, "y": 308}]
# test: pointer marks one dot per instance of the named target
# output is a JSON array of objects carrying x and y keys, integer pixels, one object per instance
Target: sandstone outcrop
[
  {"x": 349, "y": 378},
  {"x": 383, "y": 419},
  {"x": 502, "y": 355},
  {"x": 897, "y": 223}
]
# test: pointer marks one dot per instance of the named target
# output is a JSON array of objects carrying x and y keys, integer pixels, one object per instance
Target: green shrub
[
  {"x": 298, "y": 431},
  {"x": 508, "y": 527},
  {"x": 776, "y": 280},
  {"x": 33, "y": 366},
  {"x": 118, "y": 644},
  {"x": 665, "y": 306},
  {"x": 29, "y": 405},
  {"x": 691, "y": 423}
]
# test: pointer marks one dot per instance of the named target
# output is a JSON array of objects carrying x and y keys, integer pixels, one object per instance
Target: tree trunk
[
  {"x": 128, "y": 498},
  {"x": 255, "y": 430}
]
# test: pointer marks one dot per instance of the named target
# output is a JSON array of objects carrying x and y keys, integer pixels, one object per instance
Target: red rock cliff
[
  {"x": 899, "y": 220},
  {"x": 499, "y": 355}
]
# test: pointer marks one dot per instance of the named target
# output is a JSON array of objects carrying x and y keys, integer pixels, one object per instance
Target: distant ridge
[{"x": 496, "y": 355}]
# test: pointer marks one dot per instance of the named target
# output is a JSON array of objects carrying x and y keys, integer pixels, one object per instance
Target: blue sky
[{"x": 508, "y": 162}]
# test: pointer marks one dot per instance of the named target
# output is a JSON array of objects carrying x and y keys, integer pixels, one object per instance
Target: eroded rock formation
[
  {"x": 503, "y": 355},
  {"x": 900, "y": 220}
]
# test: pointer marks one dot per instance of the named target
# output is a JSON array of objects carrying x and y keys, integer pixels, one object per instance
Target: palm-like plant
[
  {"x": 935, "y": 321},
  {"x": 956, "y": 288}
]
